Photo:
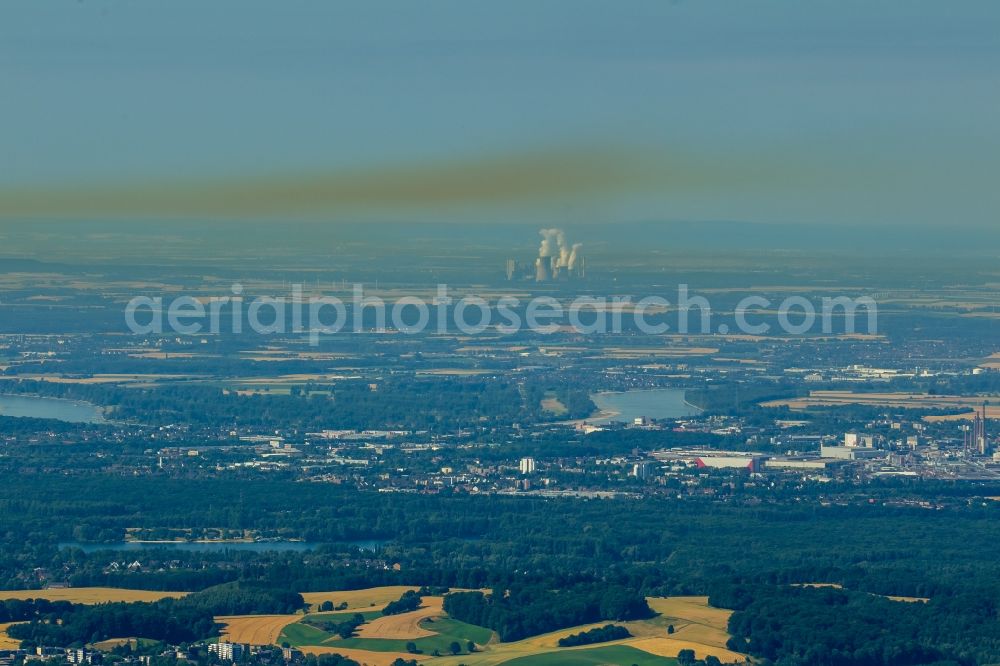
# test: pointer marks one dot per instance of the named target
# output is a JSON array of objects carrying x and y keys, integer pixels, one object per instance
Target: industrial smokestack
[
  {"x": 541, "y": 275},
  {"x": 571, "y": 260},
  {"x": 549, "y": 242},
  {"x": 555, "y": 254}
]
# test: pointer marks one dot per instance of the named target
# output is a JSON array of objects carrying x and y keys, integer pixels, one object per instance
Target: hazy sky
[{"x": 858, "y": 112}]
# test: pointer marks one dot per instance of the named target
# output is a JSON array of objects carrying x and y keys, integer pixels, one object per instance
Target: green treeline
[{"x": 609, "y": 632}]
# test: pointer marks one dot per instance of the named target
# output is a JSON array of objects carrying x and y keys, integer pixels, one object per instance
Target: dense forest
[
  {"x": 746, "y": 555},
  {"x": 806, "y": 626}
]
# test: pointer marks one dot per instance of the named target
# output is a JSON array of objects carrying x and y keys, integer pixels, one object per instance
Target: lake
[
  {"x": 215, "y": 546},
  {"x": 37, "y": 407},
  {"x": 653, "y": 403}
]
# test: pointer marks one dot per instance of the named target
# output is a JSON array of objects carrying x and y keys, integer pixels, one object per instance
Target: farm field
[
  {"x": 992, "y": 412},
  {"x": 553, "y": 405},
  {"x": 383, "y": 638},
  {"x": 6, "y": 642},
  {"x": 697, "y": 627},
  {"x": 364, "y": 657},
  {"x": 254, "y": 629},
  {"x": 890, "y": 597},
  {"x": 617, "y": 655},
  {"x": 426, "y": 627},
  {"x": 90, "y": 595},
  {"x": 359, "y": 599},
  {"x": 404, "y": 626},
  {"x": 670, "y": 647},
  {"x": 112, "y": 643},
  {"x": 302, "y": 635},
  {"x": 341, "y": 616},
  {"x": 904, "y": 400},
  {"x": 445, "y": 632}
]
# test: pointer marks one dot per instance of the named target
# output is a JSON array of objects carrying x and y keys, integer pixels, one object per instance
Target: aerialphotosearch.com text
[{"x": 316, "y": 315}]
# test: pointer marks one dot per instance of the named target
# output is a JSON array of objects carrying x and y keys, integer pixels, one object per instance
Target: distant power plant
[{"x": 556, "y": 259}]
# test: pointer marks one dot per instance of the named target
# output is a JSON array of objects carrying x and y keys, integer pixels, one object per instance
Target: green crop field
[
  {"x": 448, "y": 631},
  {"x": 612, "y": 655},
  {"x": 299, "y": 634},
  {"x": 340, "y": 616}
]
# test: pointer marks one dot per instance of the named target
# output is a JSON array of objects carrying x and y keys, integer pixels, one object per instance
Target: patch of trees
[
  {"x": 531, "y": 610},
  {"x": 410, "y": 601},
  {"x": 17, "y": 610},
  {"x": 244, "y": 598},
  {"x": 687, "y": 657},
  {"x": 609, "y": 632},
  {"x": 329, "y": 660},
  {"x": 343, "y": 629}
]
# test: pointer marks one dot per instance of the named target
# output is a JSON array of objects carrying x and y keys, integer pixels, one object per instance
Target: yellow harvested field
[
  {"x": 404, "y": 626},
  {"x": 254, "y": 629},
  {"x": 554, "y": 406},
  {"x": 905, "y": 400},
  {"x": 669, "y": 647},
  {"x": 836, "y": 586},
  {"x": 90, "y": 595},
  {"x": 992, "y": 412},
  {"x": 374, "y": 597},
  {"x": 891, "y": 597},
  {"x": 6, "y": 642},
  {"x": 364, "y": 657},
  {"x": 693, "y": 609},
  {"x": 694, "y": 622},
  {"x": 550, "y": 641}
]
